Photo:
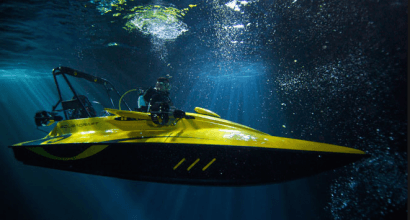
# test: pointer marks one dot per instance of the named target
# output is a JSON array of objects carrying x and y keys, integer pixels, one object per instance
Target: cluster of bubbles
[
  {"x": 233, "y": 35},
  {"x": 350, "y": 91},
  {"x": 161, "y": 23},
  {"x": 373, "y": 188},
  {"x": 338, "y": 77}
]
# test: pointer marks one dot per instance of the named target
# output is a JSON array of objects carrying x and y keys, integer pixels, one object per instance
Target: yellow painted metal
[
  {"x": 129, "y": 114},
  {"x": 180, "y": 162},
  {"x": 193, "y": 164},
  {"x": 209, "y": 164},
  {"x": 50, "y": 122},
  {"x": 206, "y": 112},
  {"x": 94, "y": 149},
  {"x": 203, "y": 130}
]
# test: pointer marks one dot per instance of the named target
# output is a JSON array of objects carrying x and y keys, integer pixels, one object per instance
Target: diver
[
  {"x": 156, "y": 101},
  {"x": 156, "y": 98}
]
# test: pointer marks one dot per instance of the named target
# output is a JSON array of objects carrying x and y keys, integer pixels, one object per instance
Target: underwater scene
[{"x": 264, "y": 109}]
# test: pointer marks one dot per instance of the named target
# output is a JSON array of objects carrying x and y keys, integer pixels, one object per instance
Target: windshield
[{"x": 91, "y": 94}]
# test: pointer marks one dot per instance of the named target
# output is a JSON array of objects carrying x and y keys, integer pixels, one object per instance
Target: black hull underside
[{"x": 188, "y": 164}]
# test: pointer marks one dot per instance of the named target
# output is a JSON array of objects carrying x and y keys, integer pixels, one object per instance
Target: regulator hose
[{"x": 131, "y": 90}]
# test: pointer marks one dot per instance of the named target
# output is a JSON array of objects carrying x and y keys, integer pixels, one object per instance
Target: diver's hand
[{"x": 179, "y": 113}]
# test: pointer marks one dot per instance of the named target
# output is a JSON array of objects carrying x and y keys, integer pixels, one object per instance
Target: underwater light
[
  {"x": 232, "y": 77},
  {"x": 233, "y": 70}
]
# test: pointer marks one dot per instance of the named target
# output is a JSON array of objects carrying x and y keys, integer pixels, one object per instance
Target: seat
[{"x": 75, "y": 110}]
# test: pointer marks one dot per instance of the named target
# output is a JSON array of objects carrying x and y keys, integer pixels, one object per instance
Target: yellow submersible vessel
[{"x": 169, "y": 145}]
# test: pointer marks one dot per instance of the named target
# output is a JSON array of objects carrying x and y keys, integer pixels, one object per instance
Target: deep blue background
[{"x": 326, "y": 71}]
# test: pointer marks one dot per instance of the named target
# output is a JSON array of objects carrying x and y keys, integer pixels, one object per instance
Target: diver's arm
[{"x": 148, "y": 94}]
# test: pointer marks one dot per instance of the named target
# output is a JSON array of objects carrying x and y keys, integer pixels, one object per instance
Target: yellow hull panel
[
  {"x": 202, "y": 130},
  {"x": 205, "y": 150}
]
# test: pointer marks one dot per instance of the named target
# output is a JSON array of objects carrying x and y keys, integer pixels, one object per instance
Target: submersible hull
[{"x": 204, "y": 150}]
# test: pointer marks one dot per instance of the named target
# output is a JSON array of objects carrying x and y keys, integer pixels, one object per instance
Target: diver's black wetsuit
[{"x": 155, "y": 98}]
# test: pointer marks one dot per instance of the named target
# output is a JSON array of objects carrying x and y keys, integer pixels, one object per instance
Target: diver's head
[{"x": 163, "y": 84}]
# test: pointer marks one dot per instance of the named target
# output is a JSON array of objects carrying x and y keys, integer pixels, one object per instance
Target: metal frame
[{"x": 68, "y": 71}]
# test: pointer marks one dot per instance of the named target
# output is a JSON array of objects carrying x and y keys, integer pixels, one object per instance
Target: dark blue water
[{"x": 325, "y": 71}]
